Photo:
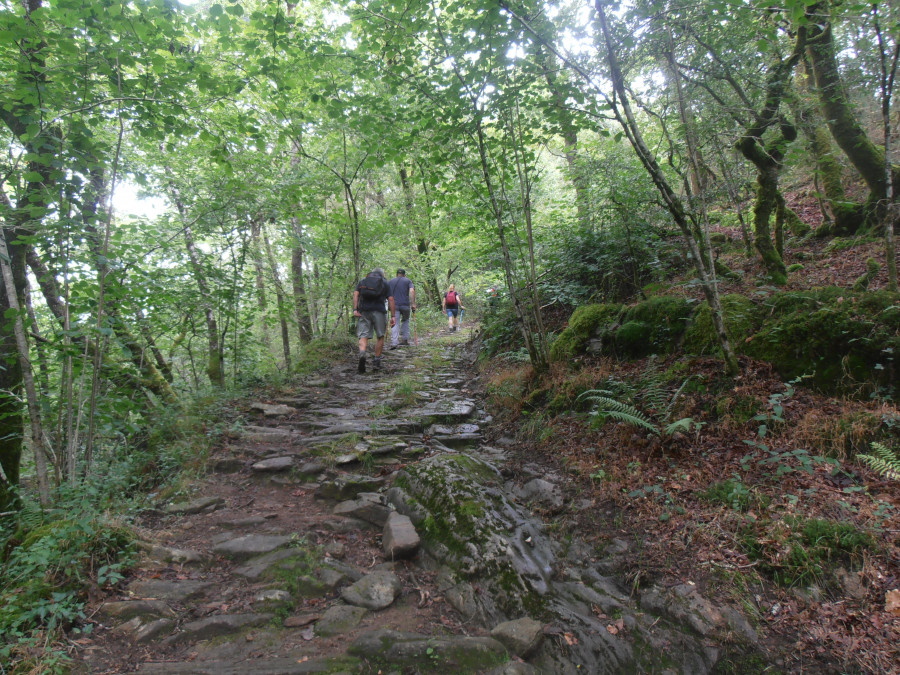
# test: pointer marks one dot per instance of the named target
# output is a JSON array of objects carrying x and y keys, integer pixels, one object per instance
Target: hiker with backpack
[
  {"x": 452, "y": 304},
  {"x": 405, "y": 302},
  {"x": 369, "y": 307}
]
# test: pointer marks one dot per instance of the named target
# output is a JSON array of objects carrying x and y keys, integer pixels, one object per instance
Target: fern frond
[
  {"x": 685, "y": 424},
  {"x": 623, "y": 412},
  {"x": 653, "y": 386},
  {"x": 671, "y": 405},
  {"x": 883, "y": 460}
]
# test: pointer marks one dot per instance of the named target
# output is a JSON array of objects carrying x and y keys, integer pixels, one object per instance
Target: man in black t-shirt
[{"x": 369, "y": 307}]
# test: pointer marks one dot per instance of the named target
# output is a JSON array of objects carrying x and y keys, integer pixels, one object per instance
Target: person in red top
[{"x": 452, "y": 304}]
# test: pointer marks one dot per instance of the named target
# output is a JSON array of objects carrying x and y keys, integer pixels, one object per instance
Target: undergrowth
[{"x": 52, "y": 556}]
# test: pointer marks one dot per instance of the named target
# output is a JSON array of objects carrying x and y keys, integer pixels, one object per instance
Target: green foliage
[
  {"x": 605, "y": 407},
  {"x": 884, "y": 460},
  {"x": 610, "y": 264},
  {"x": 735, "y": 494},
  {"x": 500, "y": 331},
  {"x": 846, "y": 341},
  {"x": 51, "y": 561},
  {"x": 795, "y": 551}
]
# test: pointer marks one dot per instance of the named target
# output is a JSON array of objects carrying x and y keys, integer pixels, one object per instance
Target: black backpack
[{"x": 371, "y": 288}]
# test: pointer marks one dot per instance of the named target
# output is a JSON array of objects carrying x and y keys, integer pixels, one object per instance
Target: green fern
[
  {"x": 685, "y": 425},
  {"x": 672, "y": 401},
  {"x": 883, "y": 460},
  {"x": 622, "y": 412},
  {"x": 653, "y": 386}
]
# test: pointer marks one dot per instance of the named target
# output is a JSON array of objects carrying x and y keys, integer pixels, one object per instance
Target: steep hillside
[{"x": 750, "y": 488}]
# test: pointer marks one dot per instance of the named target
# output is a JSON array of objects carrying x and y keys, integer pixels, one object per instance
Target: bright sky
[{"x": 127, "y": 203}]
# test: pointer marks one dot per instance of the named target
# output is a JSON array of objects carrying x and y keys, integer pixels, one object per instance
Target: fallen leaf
[
  {"x": 570, "y": 639},
  {"x": 612, "y": 629},
  {"x": 892, "y": 602}
]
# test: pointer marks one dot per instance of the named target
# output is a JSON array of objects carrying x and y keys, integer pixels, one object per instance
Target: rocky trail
[{"x": 371, "y": 523}]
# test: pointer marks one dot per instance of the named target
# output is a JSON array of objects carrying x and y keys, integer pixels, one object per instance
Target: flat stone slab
[
  {"x": 452, "y": 429},
  {"x": 340, "y": 619},
  {"x": 169, "y": 591},
  {"x": 261, "y": 666},
  {"x": 349, "y": 487},
  {"x": 312, "y": 468},
  {"x": 269, "y": 410},
  {"x": 444, "y": 412},
  {"x": 368, "y": 507},
  {"x": 155, "y": 630},
  {"x": 459, "y": 440},
  {"x": 476, "y": 654},
  {"x": 400, "y": 539},
  {"x": 374, "y": 591},
  {"x": 250, "y": 545},
  {"x": 274, "y": 465},
  {"x": 203, "y": 505},
  {"x": 217, "y": 626},
  {"x": 174, "y": 555},
  {"x": 252, "y": 521},
  {"x": 257, "y": 568},
  {"x": 124, "y": 610},
  {"x": 522, "y": 637},
  {"x": 542, "y": 492}
]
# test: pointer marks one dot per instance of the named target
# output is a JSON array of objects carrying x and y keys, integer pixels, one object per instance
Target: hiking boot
[
  {"x": 404, "y": 343},
  {"x": 394, "y": 346},
  {"x": 361, "y": 368},
  {"x": 376, "y": 363}
]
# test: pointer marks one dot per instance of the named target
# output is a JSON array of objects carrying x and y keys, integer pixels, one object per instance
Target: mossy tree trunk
[
  {"x": 767, "y": 156},
  {"x": 867, "y": 157},
  {"x": 840, "y": 216}
]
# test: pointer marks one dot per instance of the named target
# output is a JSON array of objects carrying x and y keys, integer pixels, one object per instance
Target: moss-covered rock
[
  {"x": 741, "y": 316},
  {"x": 653, "y": 327},
  {"x": 844, "y": 340},
  {"x": 582, "y": 324},
  {"x": 840, "y": 339}
]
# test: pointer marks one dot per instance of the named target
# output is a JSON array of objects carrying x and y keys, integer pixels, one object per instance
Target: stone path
[{"x": 361, "y": 523}]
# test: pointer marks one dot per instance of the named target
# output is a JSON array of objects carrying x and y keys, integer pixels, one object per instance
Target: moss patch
[
  {"x": 583, "y": 323},
  {"x": 741, "y": 317}
]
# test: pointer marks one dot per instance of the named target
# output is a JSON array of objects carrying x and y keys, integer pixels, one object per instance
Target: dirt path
[{"x": 250, "y": 574}]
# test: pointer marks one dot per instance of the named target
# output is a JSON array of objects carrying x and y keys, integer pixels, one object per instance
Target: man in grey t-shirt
[{"x": 404, "y": 294}]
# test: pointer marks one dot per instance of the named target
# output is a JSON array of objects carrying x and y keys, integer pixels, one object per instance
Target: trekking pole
[
  {"x": 459, "y": 323},
  {"x": 415, "y": 330}
]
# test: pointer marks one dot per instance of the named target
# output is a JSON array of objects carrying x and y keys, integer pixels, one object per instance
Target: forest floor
[{"x": 715, "y": 509}]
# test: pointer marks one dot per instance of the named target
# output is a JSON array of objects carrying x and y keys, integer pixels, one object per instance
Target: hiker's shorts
[
  {"x": 454, "y": 311},
  {"x": 369, "y": 322}
]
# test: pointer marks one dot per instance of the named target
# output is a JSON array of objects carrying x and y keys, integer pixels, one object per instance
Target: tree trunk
[
  {"x": 161, "y": 362},
  {"x": 34, "y": 411},
  {"x": 279, "y": 301},
  {"x": 848, "y": 133},
  {"x": 260, "y": 280},
  {"x": 301, "y": 296}
]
